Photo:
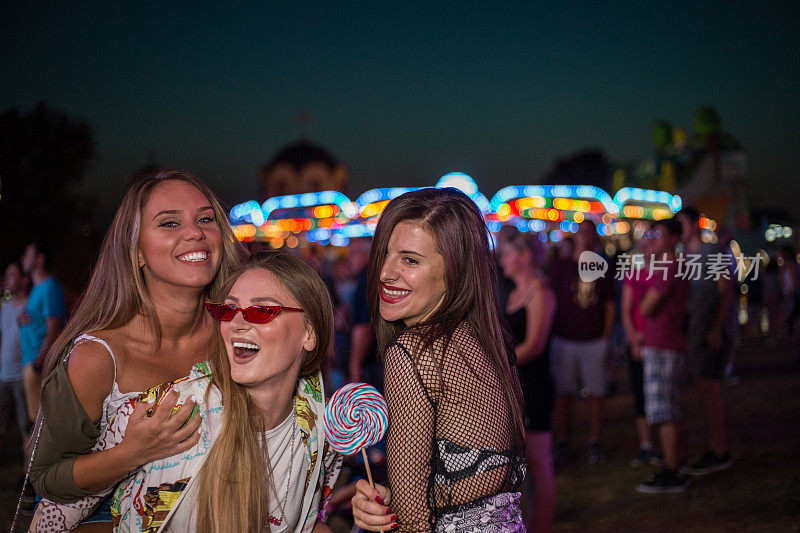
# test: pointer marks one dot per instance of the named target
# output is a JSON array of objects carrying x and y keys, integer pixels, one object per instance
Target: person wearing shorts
[
  {"x": 581, "y": 328},
  {"x": 633, "y": 289},
  {"x": 663, "y": 345},
  {"x": 710, "y": 297},
  {"x": 41, "y": 323}
]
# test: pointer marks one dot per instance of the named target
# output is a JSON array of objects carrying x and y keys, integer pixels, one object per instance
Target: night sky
[{"x": 407, "y": 92}]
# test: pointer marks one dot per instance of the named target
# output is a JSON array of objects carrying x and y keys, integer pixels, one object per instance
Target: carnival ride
[{"x": 330, "y": 217}]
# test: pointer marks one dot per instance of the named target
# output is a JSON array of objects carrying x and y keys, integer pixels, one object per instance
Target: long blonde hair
[
  {"x": 116, "y": 292},
  {"x": 234, "y": 481}
]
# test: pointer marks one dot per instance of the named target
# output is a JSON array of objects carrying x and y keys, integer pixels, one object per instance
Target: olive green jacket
[{"x": 62, "y": 433}]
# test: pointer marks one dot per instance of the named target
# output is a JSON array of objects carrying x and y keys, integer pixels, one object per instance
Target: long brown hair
[
  {"x": 234, "y": 481},
  {"x": 462, "y": 239},
  {"x": 116, "y": 292}
]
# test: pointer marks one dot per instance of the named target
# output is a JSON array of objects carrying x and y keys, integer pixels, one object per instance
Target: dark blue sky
[{"x": 406, "y": 92}]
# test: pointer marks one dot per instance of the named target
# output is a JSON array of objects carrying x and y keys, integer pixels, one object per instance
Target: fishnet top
[{"x": 451, "y": 440}]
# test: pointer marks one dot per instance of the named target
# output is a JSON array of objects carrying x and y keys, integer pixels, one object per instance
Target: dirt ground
[{"x": 760, "y": 492}]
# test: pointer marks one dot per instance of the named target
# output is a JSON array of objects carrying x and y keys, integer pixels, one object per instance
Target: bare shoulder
[
  {"x": 91, "y": 372},
  {"x": 539, "y": 290},
  {"x": 91, "y": 357}
]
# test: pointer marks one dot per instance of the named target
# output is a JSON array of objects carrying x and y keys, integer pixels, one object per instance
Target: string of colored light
[{"x": 329, "y": 217}]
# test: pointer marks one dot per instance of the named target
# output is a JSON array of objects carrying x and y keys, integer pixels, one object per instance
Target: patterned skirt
[{"x": 495, "y": 514}]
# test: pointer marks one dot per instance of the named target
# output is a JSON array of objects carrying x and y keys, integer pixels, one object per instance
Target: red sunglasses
[{"x": 255, "y": 314}]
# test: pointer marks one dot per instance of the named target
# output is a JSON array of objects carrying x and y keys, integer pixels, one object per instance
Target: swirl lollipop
[{"x": 355, "y": 418}]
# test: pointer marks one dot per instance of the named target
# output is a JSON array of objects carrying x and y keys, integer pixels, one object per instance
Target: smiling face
[
  {"x": 412, "y": 275},
  {"x": 261, "y": 355},
  {"x": 180, "y": 242}
]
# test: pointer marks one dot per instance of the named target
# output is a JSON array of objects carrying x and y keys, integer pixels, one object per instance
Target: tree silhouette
[{"x": 44, "y": 154}]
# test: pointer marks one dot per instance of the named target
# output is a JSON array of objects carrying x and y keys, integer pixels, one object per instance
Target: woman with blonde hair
[
  {"x": 456, "y": 437},
  {"x": 263, "y": 460},
  {"x": 141, "y": 322}
]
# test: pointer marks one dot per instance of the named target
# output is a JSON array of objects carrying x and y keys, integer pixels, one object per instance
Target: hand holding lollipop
[{"x": 355, "y": 419}]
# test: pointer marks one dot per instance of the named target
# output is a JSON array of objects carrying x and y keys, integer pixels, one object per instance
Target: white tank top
[{"x": 115, "y": 398}]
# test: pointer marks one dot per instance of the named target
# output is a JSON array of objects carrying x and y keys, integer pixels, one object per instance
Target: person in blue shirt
[{"x": 40, "y": 324}]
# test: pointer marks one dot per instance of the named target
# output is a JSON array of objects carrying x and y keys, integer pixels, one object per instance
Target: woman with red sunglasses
[
  {"x": 140, "y": 322},
  {"x": 263, "y": 460}
]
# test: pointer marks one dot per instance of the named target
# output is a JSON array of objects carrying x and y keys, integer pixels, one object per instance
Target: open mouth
[
  {"x": 244, "y": 350},
  {"x": 393, "y": 295},
  {"x": 193, "y": 257}
]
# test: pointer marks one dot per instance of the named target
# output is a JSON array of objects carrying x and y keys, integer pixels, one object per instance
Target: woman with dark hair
[
  {"x": 529, "y": 314},
  {"x": 456, "y": 434}
]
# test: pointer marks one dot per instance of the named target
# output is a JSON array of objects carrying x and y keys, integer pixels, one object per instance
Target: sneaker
[
  {"x": 643, "y": 457},
  {"x": 562, "y": 453},
  {"x": 664, "y": 481},
  {"x": 596, "y": 453},
  {"x": 711, "y": 462}
]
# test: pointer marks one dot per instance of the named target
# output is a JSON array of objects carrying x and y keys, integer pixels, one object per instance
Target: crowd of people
[{"x": 184, "y": 390}]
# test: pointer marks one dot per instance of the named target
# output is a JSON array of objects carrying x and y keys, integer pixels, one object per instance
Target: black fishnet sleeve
[{"x": 409, "y": 440}]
